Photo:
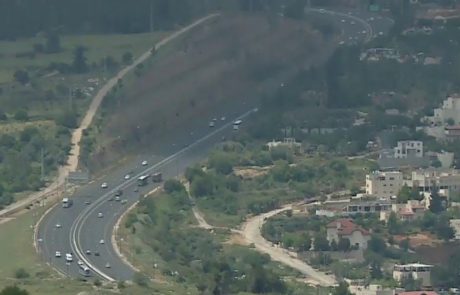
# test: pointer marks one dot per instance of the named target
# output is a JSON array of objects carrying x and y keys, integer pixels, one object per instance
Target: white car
[
  {"x": 80, "y": 262},
  {"x": 343, "y": 20},
  {"x": 107, "y": 265},
  {"x": 58, "y": 225},
  {"x": 127, "y": 176},
  {"x": 100, "y": 215},
  {"x": 364, "y": 32},
  {"x": 212, "y": 124},
  {"x": 104, "y": 185},
  {"x": 223, "y": 118},
  {"x": 352, "y": 22},
  {"x": 88, "y": 252},
  {"x": 144, "y": 163},
  {"x": 68, "y": 257},
  {"x": 101, "y": 242},
  {"x": 322, "y": 11},
  {"x": 58, "y": 254},
  {"x": 381, "y": 33},
  {"x": 341, "y": 42}
]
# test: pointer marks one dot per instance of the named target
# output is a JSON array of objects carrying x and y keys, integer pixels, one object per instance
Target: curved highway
[{"x": 95, "y": 211}]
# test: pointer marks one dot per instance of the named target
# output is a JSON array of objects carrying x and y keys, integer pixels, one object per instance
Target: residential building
[
  {"x": 410, "y": 211},
  {"x": 433, "y": 178},
  {"x": 408, "y": 149},
  {"x": 418, "y": 271},
  {"x": 346, "y": 229},
  {"x": 455, "y": 224},
  {"x": 449, "y": 111},
  {"x": 367, "y": 207},
  {"x": 361, "y": 287},
  {"x": 384, "y": 184},
  {"x": 452, "y": 132}
]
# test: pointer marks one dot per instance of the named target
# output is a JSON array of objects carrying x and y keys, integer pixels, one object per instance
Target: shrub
[
  {"x": 140, "y": 279},
  {"x": 173, "y": 185},
  {"x": 21, "y": 273}
]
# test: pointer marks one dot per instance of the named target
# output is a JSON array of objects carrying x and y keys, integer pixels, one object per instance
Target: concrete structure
[
  {"x": 418, "y": 271},
  {"x": 408, "y": 148},
  {"x": 450, "y": 110},
  {"x": 410, "y": 211},
  {"x": 346, "y": 229},
  {"x": 443, "y": 179},
  {"x": 287, "y": 142},
  {"x": 455, "y": 224},
  {"x": 359, "y": 287},
  {"x": 384, "y": 184},
  {"x": 452, "y": 132},
  {"x": 367, "y": 207}
]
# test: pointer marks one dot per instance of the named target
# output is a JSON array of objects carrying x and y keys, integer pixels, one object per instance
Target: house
[
  {"x": 361, "y": 287},
  {"x": 405, "y": 153},
  {"x": 417, "y": 271},
  {"x": 455, "y": 225},
  {"x": 408, "y": 148},
  {"x": 452, "y": 132},
  {"x": 346, "y": 229},
  {"x": 425, "y": 180},
  {"x": 384, "y": 184},
  {"x": 367, "y": 207},
  {"x": 449, "y": 111},
  {"x": 410, "y": 211}
]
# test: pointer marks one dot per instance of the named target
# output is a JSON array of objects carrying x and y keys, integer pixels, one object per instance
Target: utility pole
[{"x": 151, "y": 16}]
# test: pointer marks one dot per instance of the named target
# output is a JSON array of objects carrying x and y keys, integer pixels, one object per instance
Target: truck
[
  {"x": 157, "y": 177},
  {"x": 66, "y": 203}
]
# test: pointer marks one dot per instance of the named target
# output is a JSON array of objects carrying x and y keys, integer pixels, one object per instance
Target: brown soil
[
  {"x": 250, "y": 173},
  {"x": 216, "y": 69},
  {"x": 440, "y": 254}
]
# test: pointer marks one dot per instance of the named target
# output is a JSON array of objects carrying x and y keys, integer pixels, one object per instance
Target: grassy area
[{"x": 99, "y": 46}]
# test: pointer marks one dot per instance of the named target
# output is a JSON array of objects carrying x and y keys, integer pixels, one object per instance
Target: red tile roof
[{"x": 346, "y": 227}]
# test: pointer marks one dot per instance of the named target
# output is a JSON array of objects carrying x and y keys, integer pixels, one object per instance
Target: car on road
[
  {"x": 79, "y": 262},
  {"x": 107, "y": 265},
  {"x": 124, "y": 201},
  {"x": 110, "y": 199},
  {"x": 117, "y": 199},
  {"x": 322, "y": 11},
  {"x": 341, "y": 42},
  {"x": 380, "y": 33},
  {"x": 58, "y": 254},
  {"x": 214, "y": 119},
  {"x": 58, "y": 225},
  {"x": 144, "y": 163},
  {"x": 88, "y": 252},
  {"x": 104, "y": 185},
  {"x": 364, "y": 32},
  {"x": 127, "y": 176},
  {"x": 87, "y": 202},
  {"x": 223, "y": 118},
  {"x": 342, "y": 20},
  {"x": 102, "y": 242},
  {"x": 100, "y": 215},
  {"x": 68, "y": 257},
  {"x": 96, "y": 253},
  {"x": 212, "y": 124},
  {"x": 352, "y": 22},
  {"x": 119, "y": 192}
]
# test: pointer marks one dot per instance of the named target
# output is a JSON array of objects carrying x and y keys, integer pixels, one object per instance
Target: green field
[{"x": 99, "y": 46}]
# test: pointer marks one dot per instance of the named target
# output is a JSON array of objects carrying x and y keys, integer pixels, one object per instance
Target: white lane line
[{"x": 77, "y": 226}]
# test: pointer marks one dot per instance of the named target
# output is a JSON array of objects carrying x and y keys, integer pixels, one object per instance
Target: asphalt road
[{"x": 80, "y": 228}]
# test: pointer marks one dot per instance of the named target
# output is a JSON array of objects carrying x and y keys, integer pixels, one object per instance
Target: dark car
[
  {"x": 96, "y": 253},
  {"x": 119, "y": 193}
]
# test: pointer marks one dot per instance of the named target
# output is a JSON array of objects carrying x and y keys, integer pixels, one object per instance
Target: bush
[
  {"x": 97, "y": 282},
  {"x": 140, "y": 279},
  {"x": 22, "y": 76},
  {"x": 21, "y": 115},
  {"x": 21, "y": 273},
  {"x": 173, "y": 185},
  {"x": 13, "y": 290}
]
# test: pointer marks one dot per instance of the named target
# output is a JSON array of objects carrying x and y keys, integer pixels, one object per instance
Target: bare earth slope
[{"x": 217, "y": 68}]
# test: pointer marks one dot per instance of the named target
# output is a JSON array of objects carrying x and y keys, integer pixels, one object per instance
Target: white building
[
  {"x": 455, "y": 224},
  {"x": 450, "y": 110},
  {"x": 418, "y": 271},
  {"x": 408, "y": 149},
  {"x": 443, "y": 179},
  {"x": 384, "y": 184},
  {"x": 345, "y": 229}
]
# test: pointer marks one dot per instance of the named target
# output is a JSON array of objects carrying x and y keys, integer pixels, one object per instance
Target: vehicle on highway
[
  {"x": 58, "y": 254},
  {"x": 102, "y": 242},
  {"x": 58, "y": 225},
  {"x": 236, "y": 127},
  {"x": 341, "y": 42},
  {"x": 238, "y": 122},
  {"x": 352, "y": 22},
  {"x": 157, "y": 177},
  {"x": 144, "y": 163},
  {"x": 322, "y": 11},
  {"x": 87, "y": 202},
  {"x": 380, "y": 33},
  {"x": 212, "y": 124},
  {"x": 364, "y": 32},
  {"x": 79, "y": 262},
  {"x": 107, "y": 265},
  {"x": 124, "y": 201},
  {"x": 127, "y": 176},
  {"x": 104, "y": 185},
  {"x": 342, "y": 20},
  {"x": 84, "y": 271},
  {"x": 68, "y": 257},
  {"x": 214, "y": 119},
  {"x": 100, "y": 215},
  {"x": 117, "y": 199},
  {"x": 118, "y": 193},
  {"x": 142, "y": 180},
  {"x": 66, "y": 203},
  {"x": 223, "y": 118},
  {"x": 110, "y": 199},
  {"x": 96, "y": 253},
  {"x": 88, "y": 252}
]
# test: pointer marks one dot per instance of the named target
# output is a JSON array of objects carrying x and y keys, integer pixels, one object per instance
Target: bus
[
  {"x": 66, "y": 203},
  {"x": 142, "y": 180}
]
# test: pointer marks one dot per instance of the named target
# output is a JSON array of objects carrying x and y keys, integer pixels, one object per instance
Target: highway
[{"x": 81, "y": 229}]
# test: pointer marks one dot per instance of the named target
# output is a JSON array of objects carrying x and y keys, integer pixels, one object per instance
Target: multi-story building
[
  {"x": 408, "y": 149},
  {"x": 418, "y": 271},
  {"x": 384, "y": 184},
  {"x": 367, "y": 207},
  {"x": 450, "y": 110},
  {"x": 427, "y": 180}
]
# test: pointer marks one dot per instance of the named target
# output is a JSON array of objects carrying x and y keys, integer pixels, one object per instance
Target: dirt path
[
  {"x": 202, "y": 223},
  {"x": 74, "y": 155},
  {"x": 251, "y": 233}
]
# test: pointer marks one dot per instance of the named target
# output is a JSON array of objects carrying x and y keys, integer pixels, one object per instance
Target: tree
[
  {"x": 67, "y": 118},
  {"x": 53, "y": 42},
  {"x": 343, "y": 244},
  {"x": 341, "y": 289},
  {"x": 79, "y": 60},
  {"x": 21, "y": 273},
  {"x": 436, "y": 202},
  {"x": 393, "y": 224},
  {"x": 21, "y": 76},
  {"x": 140, "y": 279},
  {"x": 3, "y": 116},
  {"x": 333, "y": 245},
  {"x": 202, "y": 186},
  {"x": 21, "y": 115},
  {"x": 376, "y": 244},
  {"x": 173, "y": 185},
  {"x": 13, "y": 290},
  {"x": 127, "y": 58},
  {"x": 321, "y": 243},
  {"x": 192, "y": 172},
  {"x": 376, "y": 270},
  {"x": 221, "y": 162},
  {"x": 443, "y": 228}
]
